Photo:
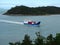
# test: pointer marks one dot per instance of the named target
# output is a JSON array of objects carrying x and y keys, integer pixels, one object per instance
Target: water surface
[{"x": 11, "y": 32}]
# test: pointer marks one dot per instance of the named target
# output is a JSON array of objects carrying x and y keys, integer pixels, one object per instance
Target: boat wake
[{"x": 14, "y": 22}]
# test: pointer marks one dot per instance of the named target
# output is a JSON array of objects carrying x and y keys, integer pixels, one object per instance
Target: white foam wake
[{"x": 14, "y": 22}]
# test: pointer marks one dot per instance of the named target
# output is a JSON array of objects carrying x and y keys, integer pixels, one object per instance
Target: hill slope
[{"x": 34, "y": 10}]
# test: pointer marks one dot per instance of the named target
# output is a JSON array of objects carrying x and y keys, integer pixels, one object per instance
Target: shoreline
[{"x": 29, "y": 14}]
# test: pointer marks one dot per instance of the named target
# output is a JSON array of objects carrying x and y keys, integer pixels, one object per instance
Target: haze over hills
[{"x": 2, "y": 10}]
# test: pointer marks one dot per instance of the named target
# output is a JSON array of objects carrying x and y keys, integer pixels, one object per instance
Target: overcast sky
[{"x": 31, "y": 3}]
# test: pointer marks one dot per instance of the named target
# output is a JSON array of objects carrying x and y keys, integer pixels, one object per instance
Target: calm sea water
[{"x": 12, "y": 32}]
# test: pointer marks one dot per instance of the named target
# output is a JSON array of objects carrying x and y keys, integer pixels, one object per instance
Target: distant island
[{"x": 24, "y": 10}]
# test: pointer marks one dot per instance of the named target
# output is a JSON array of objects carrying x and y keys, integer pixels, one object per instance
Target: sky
[{"x": 30, "y": 3}]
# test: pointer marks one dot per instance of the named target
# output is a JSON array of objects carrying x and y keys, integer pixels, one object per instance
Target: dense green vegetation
[
  {"x": 40, "y": 40},
  {"x": 24, "y": 10}
]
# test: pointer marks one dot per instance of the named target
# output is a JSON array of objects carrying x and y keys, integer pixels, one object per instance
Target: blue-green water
[{"x": 12, "y": 32}]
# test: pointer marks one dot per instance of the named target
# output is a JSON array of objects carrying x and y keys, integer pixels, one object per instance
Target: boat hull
[{"x": 37, "y": 24}]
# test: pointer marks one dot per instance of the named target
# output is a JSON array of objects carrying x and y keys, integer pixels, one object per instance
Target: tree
[
  {"x": 10, "y": 43},
  {"x": 50, "y": 40},
  {"x": 38, "y": 40},
  {"x": 57, "y": 39},
  {"x": 26, "y": 40},
  {"x": 16, "y": 43}
]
